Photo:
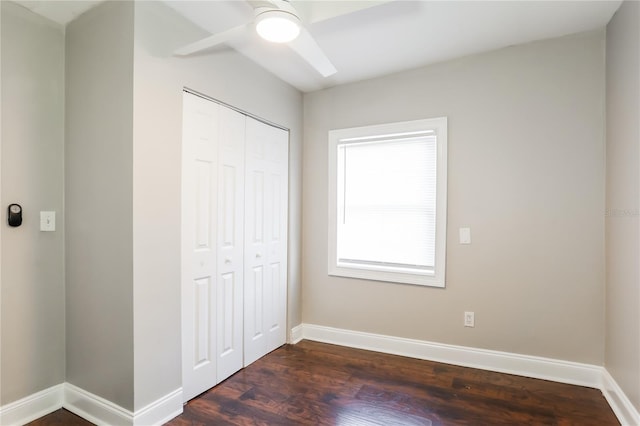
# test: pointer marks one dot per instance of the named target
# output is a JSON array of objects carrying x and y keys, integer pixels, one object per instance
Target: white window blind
[{"x": 387, "y": 202}]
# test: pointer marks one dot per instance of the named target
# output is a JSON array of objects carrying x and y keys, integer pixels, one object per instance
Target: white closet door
[
  {"x": 199, "y": 187},
  {"x": 277, "y": 150},
  {"x": 229, "y": 322},
  {"x": 266, "y": 159},
  {"x": 234, "y": 242}
]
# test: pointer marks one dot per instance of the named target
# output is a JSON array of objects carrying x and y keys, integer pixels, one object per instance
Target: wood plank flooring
[
  {"x": 60, "y": 417},
  {"x": 318, "y": 384}
]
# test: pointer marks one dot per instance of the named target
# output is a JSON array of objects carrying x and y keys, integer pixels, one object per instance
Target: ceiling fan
[{"x": 282, "y": 19}]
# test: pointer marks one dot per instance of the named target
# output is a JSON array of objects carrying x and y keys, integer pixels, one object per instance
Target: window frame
[{"x": 437, "y": 278}]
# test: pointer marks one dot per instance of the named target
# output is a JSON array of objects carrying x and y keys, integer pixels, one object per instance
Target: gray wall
[
  {"x": 526, "y": 174},
  {"x": 622, "y": 356},
  {"x": 122, "y": 195},
  {"x": 159, "y": 79},
  {"x": 33, "y": 349},
  {"x": 99, "y": 202}
]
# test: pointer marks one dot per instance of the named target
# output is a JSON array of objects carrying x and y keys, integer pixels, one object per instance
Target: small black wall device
[{"x": 14, "y": 215}]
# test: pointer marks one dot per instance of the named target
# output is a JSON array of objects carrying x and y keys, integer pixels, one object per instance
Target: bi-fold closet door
[{"x": 234, "y": 241}]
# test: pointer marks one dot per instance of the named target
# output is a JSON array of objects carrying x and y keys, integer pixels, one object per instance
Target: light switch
[
  {"x": 465, "y": 235},
  {"x": 47, "y": 221}
]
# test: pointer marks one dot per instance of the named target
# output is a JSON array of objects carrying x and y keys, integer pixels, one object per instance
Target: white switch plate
[
  {"x": 465, "y": 235},
  {"x": 48, "y": 221},
  {"x": 469, "y": 319}
]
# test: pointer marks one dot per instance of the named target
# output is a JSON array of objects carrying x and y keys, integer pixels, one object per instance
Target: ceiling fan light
[{"x": 277, "y": 26}]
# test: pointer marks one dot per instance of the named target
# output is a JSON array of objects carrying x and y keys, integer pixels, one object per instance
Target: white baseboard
[
  {"x": 504, "y": 362},
  {"x": 95, "y": 408},
  {"x": 160, "y": 411},
  {"x": 32, "y": 407},
  {"x": 103, "y": 412},
  {"x": 90, "y": 407},
  {"x": 296, "y": 334},
  {"x": 618, "y": 401}
]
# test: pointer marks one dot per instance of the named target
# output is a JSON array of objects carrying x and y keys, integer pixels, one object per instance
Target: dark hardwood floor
[
  {"x": 317, "y": 384},
  {"x": 61, "y": 417}
]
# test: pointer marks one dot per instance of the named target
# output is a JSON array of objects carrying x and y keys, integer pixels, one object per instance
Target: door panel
[
  {"x": 274, "y": 298},
  {"x": 201, "y": 318},
  {"x": 278, "y": 160},
  {"x": 255, "y": 340},
  {"x": 230, "y": 244},
  {"x": 198, "y": 245},
  {"x": 266, "y": 164},
  {"x": 256, "y": 283},
  {"x": 227, "y": 336},
  {"x": 256, "y": 207}
]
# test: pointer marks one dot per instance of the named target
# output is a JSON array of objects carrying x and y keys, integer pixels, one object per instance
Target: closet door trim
[{"x": 224, "y": 104}]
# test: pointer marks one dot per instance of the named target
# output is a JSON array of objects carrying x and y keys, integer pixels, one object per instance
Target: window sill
[{"x": 390, "y": 277}]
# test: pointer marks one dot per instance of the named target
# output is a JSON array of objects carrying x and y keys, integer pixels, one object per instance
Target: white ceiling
[
  {"x": 366, "y": 39},
  {"x": 60, "y": 11}
]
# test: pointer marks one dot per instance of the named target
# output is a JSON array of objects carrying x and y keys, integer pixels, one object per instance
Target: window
[{"x": 387, "y": 202}]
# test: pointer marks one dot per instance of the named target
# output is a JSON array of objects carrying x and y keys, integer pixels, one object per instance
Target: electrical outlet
[{"x": 469, "y": 319}]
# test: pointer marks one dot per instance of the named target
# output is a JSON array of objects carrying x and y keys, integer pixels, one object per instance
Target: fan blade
[
  {"x": 305, "y": 46},
  {"x": 211, "y": 41}
]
